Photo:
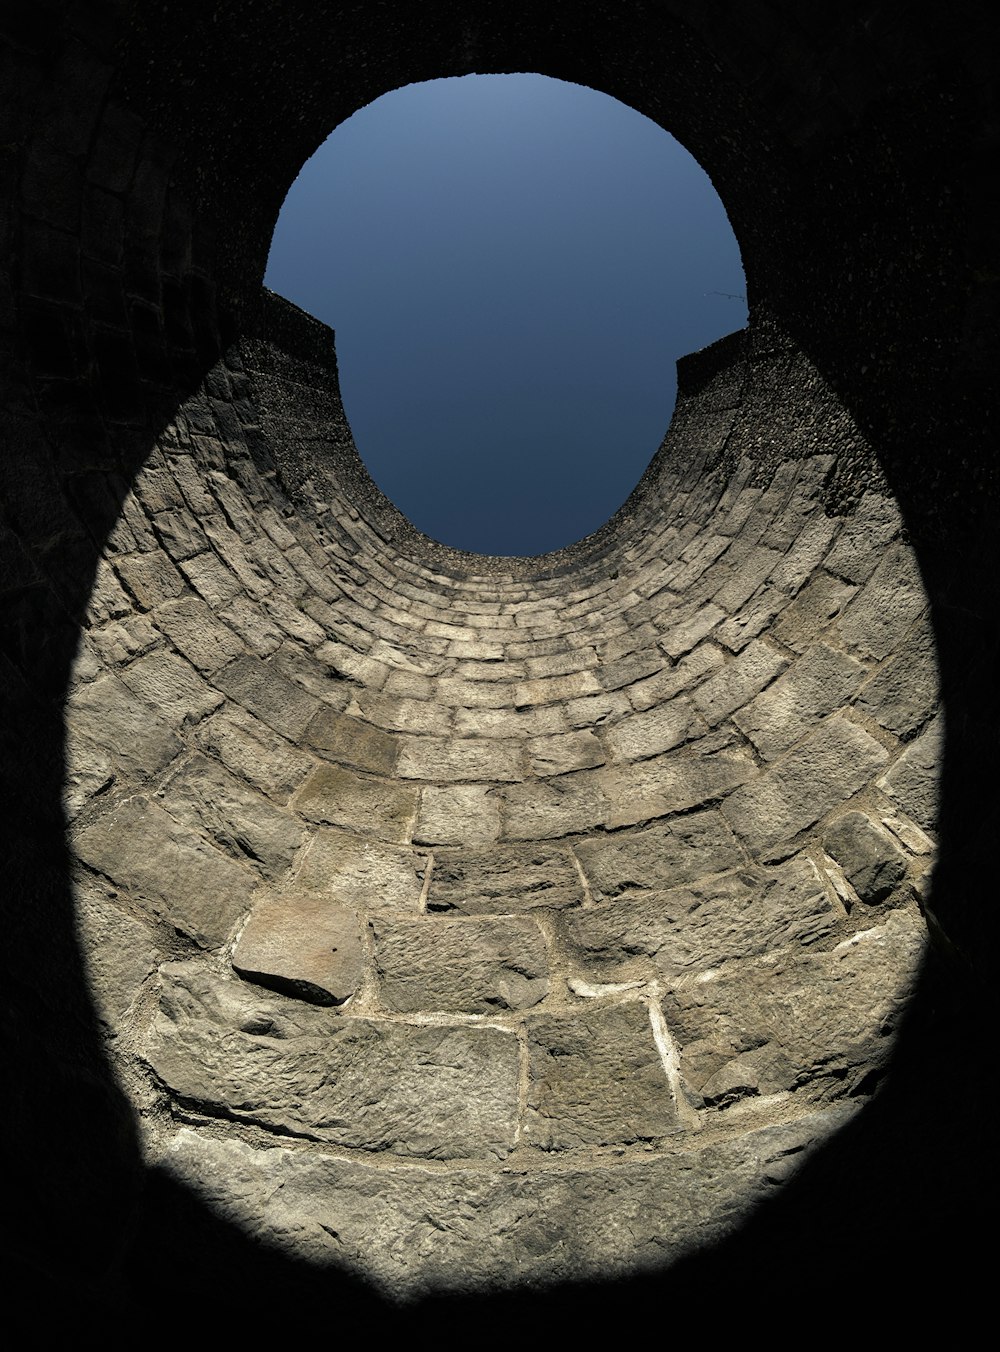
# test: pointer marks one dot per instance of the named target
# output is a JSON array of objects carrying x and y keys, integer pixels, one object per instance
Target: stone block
[
  {"x": 172, "y": 686},
  {"x": 681, "y": 638},
  {"x": 151, "y": 578},
  {"x": 638, "y": 936},
  {"x": 463, "y": 966},
  {"x": 691, "y": 669},
  {"x": 106, "y": 714},
  {"x": 596, "y": 1079},
  {"x": 340, "y": 737},
  {"x": 232, "y": 1050},
  {"x": 563, "y": 805},
  {"x": 362, "y": 873},
  {"x": 675, "y": 782},
  {"x": 459, "y": 758},
  {"x": 660, "y": 856},
  {"x": 738, "y": 681},
  {"x": 652, "y": 732},
  {"x": 211, "y": 579},
  {"x": 196, "y": 633},
  {"x": 398, "y": 714},
  {"x": 304, "y": 946},
  {"x": 504, "y": 879},
  {"x": 913, "y": 780},
  {"x": 334, "y": 796},
  {"x": 555, "y": 689},
  {"x": 819, "y": 1025},
  {"x": 278, "y": 702},
  {"x": 564, "y": 752},
  {"x": 871, "y": 862},
  {"x": 458, "y": 814},
  {"x": 821, "y": 681},
  {"x": 877, "y": 618},
  {"x": 233, "y": 815},
  {"x": 806, "y": 618},
  {"x": 903, "y": 695},
  {"x": 119, "y": 953},
  {"x": 250, "y": 749},
  {"x": 828, "y": 768},
  {"x": 168, "y": 869}
]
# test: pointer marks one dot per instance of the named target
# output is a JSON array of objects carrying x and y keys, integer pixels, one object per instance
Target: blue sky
[{"x": 512, "y": 265}]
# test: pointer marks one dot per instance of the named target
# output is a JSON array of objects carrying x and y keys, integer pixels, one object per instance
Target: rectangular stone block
[
  {"x": 196, "y": 633},
  {"x": 303, "y": 946},
  {"x": 169, "y": 869},
  {"x": 563, "y": 805},
  {"x": 675, "y": 782},
  {"x": 660, "y": 856},
  {"x": 461, "y": 966},
  {"x": 831, "y": 765},
  {"x": 251, "y": 750},
  {"x": 504, "y": 879},
  {"x": 172, "y": 686},
  {"x": 738, "y": 681},
  {"x": 596, "y": 1079},
  {"x": 340, "y": 737},
  {"x": 335, "y": 796},
  {"x": 390, "y": 1088},
  {"x": 366, "y": 874},
  {"x": 233, "y": 815},
  {"x": 450, "y": 759},
  {"x": 106, "y": 714},
  {"x": 565, "y": 752},
  {"x": 821, "y": 681},
  {"x": 652, "y": 732},
  {"x": 282, "y": 705},
  {"x": 555, "y": 689},
  {"x": 458, "y": 814},
  {"x": 640, "y": 936}
]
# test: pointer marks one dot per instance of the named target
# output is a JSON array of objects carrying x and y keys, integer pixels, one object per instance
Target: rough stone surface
[
  {"x": 871, "y": 861},
  {"x": 438, "y": 1092},
  {"x": 459, "y": 965},
  {"x": 304, "y": 946}
]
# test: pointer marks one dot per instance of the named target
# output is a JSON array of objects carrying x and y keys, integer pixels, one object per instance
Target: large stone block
[
  {"x": 508, "y": 878},
  {"x": 466, "y": 966},
  {"x": 362, "y": 873},
  {"x": 301, "y": 945},
  {"x": 334, "y": 796},
  {"x": 596, "y": 1079},
  {"x": 661, "y": 856},
  {"x": 438, "y": 1092}
]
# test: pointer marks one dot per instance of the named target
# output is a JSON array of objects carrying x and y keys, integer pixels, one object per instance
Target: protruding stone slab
[
  {"x": 463, "y": 966},
  {"x": 596, "y": 1079},
  {"x": 303, "y": 946}
]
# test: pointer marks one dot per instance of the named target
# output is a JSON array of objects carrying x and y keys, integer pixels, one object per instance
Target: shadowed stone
[
  {"x": 119, "y": 952},
  {"x": 815, "y": 1024},
  {"x": 304, "y": 946},
  {"x": 872, "y": 863},
  {"x": 342, "y": 738}
]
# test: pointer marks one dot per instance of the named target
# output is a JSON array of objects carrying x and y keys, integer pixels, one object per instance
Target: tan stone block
[{"x": 302, "y": 945}]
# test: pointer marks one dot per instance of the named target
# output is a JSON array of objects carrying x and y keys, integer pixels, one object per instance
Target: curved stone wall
[
  {"x": 474, "y": 925},
  {"x": 549, "y": 905}
]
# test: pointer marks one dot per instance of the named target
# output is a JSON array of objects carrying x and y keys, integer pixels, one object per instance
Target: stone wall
[
  {"x": 592, "y": 881},
  {"x": 390, "y": 923}
]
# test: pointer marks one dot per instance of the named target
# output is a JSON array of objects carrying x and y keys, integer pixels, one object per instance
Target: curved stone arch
[{"x": 111, "y": 330}]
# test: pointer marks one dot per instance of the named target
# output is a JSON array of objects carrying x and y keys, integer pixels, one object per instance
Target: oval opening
[{"x": 512, "y": 265}]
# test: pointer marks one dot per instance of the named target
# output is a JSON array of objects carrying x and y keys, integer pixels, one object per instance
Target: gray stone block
[
  {"x": 478, "y": 966},
  {"x": 169, "y": 869},
  {"x": 196, "y": 633},
  {"x": 436, "y": 1092},
  {"x": 738, "y": 681},
  {"x": 362, "y": 873},
  {"x": 271, "y": 697},
  {"x": 304, "y": 946},
  {"x": 827, "y": 769},
  {"x": 458, "y": 814},
  {"x": 488, "y": 882},
  {"x": 250, "y": 749},
  {"x": 342, "y": 738},
  {"x": 562, "y": 805},
  {"x": 821, "y": 681},
  {"x": 660, "y": 856},
  {"x": 871, "y": 862},
  {"x": 334, "y": 796},
  {"x": 596, "y": 1079}
]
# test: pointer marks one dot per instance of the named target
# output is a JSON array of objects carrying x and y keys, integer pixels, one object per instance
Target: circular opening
[{"x": 512, "y": 265}]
